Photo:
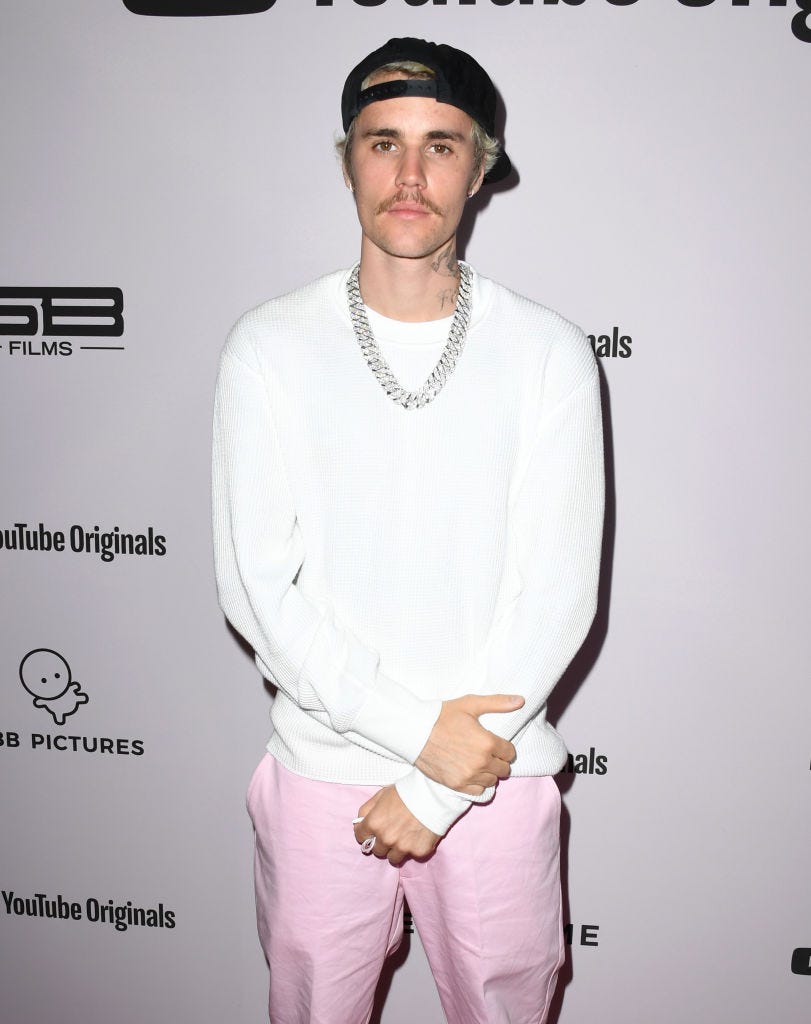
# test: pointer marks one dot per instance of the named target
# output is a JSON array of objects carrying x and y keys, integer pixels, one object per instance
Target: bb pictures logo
[
  {"x": 46, "y": 675},
  {"x": 44, "y": 321}
]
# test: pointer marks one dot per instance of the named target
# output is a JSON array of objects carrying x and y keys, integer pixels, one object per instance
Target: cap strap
[{"x": 394, "y": 88}]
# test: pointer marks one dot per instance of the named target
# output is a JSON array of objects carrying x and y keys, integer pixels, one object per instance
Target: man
[{"x": 408, "y": 499}]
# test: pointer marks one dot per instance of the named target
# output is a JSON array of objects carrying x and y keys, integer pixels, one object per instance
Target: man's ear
[{"x": 476, "y": 184}]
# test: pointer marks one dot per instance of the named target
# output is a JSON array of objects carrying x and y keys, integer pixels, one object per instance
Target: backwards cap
[{"x": 460, "y": 81}]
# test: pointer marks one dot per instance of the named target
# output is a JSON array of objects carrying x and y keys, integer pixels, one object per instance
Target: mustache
[{"x": 404, "y": 196}]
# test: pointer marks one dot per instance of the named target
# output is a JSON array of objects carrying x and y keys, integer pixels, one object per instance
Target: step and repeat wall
[{"x": 161, "y": 174}]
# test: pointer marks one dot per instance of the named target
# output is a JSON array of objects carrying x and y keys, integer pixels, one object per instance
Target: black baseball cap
[{"x": 460, "y": 81}]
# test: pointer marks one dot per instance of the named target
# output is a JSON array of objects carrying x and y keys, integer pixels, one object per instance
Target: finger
[
  {"x": 362, "y": 834},
  {"x": 364, "y": 809},
  {"x": 395, "y": 857},
  {"x": 499, "y": 768},
  {"x": 473, "y": 790},
  {"x": 371, "y": 844},
  {"x": 503, "y": 749},
  {"x": 495, "y": 703},
  {"x": 481, "y": 782},
  {"x": 485, "y": 780}
]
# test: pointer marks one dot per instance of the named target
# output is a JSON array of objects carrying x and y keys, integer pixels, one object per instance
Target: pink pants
[{"x": 486, "y": 903}]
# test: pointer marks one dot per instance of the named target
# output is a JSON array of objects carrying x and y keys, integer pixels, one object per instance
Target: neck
[{"x": 411, "y": 290}]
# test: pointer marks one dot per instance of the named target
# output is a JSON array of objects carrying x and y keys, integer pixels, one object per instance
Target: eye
[
  {"x": 384, "y": 146},
  {"x": 441, "y": 148}
]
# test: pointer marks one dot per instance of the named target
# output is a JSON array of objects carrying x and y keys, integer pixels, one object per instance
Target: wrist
[
  {"x": 394, "y": 718},
  {"x": 432, "y": 804}
]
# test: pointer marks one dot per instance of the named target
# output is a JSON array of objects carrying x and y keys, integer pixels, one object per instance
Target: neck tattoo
[{"x": 376, "y": 361}]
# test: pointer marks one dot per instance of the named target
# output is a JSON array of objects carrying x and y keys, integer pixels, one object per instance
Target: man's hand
[
  {"x": 460, "y": 752},
  {"x": 398, "y": 834}
]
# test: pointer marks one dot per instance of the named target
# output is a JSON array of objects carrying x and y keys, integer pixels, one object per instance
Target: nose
[{"x": 411, "y": 172}]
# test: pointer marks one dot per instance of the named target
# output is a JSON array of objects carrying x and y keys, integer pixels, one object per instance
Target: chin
[{"x": 411, "y": 248}]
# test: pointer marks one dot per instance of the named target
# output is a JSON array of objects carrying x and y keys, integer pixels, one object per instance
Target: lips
[{"x": 409, "y": 210}]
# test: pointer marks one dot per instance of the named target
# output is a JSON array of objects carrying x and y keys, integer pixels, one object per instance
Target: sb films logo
[
  {"x": 197, "y": 8},
  {"x": 43, "y": 327}
]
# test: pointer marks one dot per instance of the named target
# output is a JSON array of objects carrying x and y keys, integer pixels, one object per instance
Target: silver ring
[{"x": 368, "y": 844}]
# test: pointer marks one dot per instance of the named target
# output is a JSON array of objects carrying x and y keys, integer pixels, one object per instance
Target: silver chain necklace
[{"x": 377, "y": 362}]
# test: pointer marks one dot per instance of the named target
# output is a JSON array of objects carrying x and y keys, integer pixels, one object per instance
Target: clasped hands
[{"x": 460, "y": 754}]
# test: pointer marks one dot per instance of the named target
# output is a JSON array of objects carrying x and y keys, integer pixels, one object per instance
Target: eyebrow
[{"x": 393, "y": 133}]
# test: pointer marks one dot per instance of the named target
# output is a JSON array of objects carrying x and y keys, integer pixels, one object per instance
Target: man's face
[{"x": 412, "y": 168}]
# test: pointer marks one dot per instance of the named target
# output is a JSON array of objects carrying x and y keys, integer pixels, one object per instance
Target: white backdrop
[{"x": 662, "y": 153}]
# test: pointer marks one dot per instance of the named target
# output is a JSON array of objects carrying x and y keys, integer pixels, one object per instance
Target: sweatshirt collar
[{"x": 421, "y": 331}]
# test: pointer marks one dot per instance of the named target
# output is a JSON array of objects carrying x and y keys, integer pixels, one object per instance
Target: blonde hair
[{"x": 485, "y": 147}]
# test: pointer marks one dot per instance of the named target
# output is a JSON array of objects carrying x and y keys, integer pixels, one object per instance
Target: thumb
[{"x": 499, "y": 703}]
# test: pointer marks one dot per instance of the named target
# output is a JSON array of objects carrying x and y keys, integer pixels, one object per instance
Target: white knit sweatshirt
[{"x": 381, "y": 560}]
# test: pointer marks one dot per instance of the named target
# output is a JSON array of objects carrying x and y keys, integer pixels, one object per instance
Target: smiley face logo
[{"x": 46, "y": 675}]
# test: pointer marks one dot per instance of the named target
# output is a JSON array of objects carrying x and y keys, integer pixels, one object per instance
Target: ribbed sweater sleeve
[
  {"x": 552, "y": 567},
  {"x": 300, "y": 644}
]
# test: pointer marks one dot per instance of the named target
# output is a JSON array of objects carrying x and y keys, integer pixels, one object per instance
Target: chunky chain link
[{"x": 377, "y": 363}]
